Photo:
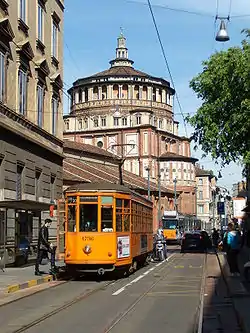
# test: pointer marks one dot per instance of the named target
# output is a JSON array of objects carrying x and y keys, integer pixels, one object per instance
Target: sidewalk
[
  {"x": 218, "y": 311},
  {"x": 239, "y": 294},
  {"x": 17, "y": 278}
]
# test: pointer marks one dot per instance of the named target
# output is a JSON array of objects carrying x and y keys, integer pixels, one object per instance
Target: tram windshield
[
  {"x": 88, "y": 218},
  {"x": 169, "y": 223}
]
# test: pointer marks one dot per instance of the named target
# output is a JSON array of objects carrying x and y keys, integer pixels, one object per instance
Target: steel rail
[
  {"x": 77, "y": 299},
  {"x": 133, "y": 305}
]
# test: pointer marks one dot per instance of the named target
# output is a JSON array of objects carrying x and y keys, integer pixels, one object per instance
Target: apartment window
[
  {"x": 22, "y": 10},
  {"x": 40, "y": 105},
  {"x": 200, "y": 195},
  {"x": 54, "y": 40},
  {"x": 40, "y": 22},
  {"x": 66, "y": 124},
  {"x": 54, "y": 115},
  {"x": 19, "y": 181},
  {"x": 96, "y": 122},
  {"x": 124, "y": 122},
  {"x": 22, "y": 87},
  {"x": 116, "y": 121},
  {"x": 138, "y": 119},
  {"x": 201, "y": 209},
  {"x": 37, "y": 184},
  {"x": 160, "y": 123},
  {"x": 2, "y": 76},
  {"x": 80, "y": 124},
  {"x": 103, "y": 121},
  {"x": 52, "y": 188},
  {"x": 200, "y": 181}
]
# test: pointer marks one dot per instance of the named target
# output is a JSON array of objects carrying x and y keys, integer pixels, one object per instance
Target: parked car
[{"x": 198, "y": 241}]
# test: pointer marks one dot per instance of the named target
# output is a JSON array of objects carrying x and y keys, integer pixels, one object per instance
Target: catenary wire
[
  {"x": 185, "y": 11},
  {"x": 167, "y": 64}
]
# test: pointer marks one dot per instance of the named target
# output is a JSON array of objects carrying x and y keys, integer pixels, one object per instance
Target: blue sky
[{"x": 91, "y": 29}]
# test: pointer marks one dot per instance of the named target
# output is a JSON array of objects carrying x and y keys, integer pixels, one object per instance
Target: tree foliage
[{"x": 222, "y": 123}]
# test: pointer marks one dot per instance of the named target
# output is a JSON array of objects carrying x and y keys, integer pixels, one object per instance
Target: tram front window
[
  {"x": 71, "y": 218},
  {"x": 88, "y": 218},
  {"x": 107, "y": 219},
  {"x": 169, "y": 224}
]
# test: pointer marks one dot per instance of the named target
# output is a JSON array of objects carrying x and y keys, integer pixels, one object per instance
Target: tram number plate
[{"x": 87, "y": 238}]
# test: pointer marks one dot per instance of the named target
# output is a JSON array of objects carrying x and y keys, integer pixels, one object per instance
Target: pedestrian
[
  {"x": 232, "y": 241},
  {"x": 44, "y": 246},
  {"x": 215, "y": 238}
]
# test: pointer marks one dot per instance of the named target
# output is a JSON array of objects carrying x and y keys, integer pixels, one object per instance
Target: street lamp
[
  {"x": 222, "y": 35},
  {"x": 159, "y": 190},
  {"x": 175, "y": 196},
  {"x": 132, "y": 145},
  {"x": 148, "y": 170}
]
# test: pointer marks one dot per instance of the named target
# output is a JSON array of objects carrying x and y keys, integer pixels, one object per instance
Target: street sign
[{"x": 221, "y": 208}]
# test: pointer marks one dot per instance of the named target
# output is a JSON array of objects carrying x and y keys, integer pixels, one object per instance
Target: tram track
[
  {"x": 81, "y": 297},
  {"x": 199, "y": 312}
]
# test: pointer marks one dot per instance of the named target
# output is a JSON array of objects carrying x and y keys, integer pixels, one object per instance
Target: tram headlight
[{"x": 87, "y": 249}]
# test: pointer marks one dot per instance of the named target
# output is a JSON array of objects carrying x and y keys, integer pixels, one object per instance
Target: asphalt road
[{"x": 159, "y": 297}]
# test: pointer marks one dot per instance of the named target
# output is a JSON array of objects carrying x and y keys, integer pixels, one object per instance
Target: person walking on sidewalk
[
  {"x": 233, "y": 242},
  {"x": 44, "y": 247}
]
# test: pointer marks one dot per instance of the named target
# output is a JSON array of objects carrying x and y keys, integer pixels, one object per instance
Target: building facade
[
  {"x": 31, "y": 114},
  {"x": 130, "y": 113},
  {"x": 207, "y": 197},
  {"x": 85, "y": 163}
]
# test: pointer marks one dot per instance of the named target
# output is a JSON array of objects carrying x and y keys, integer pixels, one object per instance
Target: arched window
[
  {"x": 95, "y": 93},
  {"x": 116, "y": 91},
  {"x": 136, "y": 92}
]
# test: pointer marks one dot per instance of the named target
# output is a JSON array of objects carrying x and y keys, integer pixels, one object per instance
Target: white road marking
[{"x": 117, "y": 292}]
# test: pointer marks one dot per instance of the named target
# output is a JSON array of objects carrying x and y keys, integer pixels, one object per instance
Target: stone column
[
  {"x": 120, "y": 91},
  {"x": 157, "y": 95},
  {"x": 99, "y": 93},
  {"x": 83, "y": 96},
  {"x": 90, "y": 90},
  {"x": 164, "y": 99},
  {"x": 140, "y": 92},
  {"x": 76, "y": 97}
]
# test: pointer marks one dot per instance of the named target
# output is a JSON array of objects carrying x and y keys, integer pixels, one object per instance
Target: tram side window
[
  {"x": 118, "y": 215},
  {"x": 107, "y": 219},
  {"x": 72, "y": 218},
  {"x": 88, "y": 218},
  {"x": 126, "y": 216}
]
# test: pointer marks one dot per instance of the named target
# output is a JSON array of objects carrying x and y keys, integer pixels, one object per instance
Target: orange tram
[{"x": 108, "y": 228}]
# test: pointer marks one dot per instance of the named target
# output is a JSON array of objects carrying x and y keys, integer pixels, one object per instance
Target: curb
[
  {"x": 28, "y": 284},
  {"x": 224, "y": 275}
]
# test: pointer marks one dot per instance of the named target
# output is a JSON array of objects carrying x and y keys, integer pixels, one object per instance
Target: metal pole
[
  {"x": 148, "y": 169},
  {"x": 159, "y": 200},
  {"x": 175, "y": 195},
  {"x": 214, "y": 196}
]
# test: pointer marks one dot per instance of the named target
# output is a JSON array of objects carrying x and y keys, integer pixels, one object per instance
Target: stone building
[
  {"x": 85, "y": 163},
  {"x": 31, "y": 121},
  {"x": 130, "y": 113},
  {"x": 207, "y": 198}
]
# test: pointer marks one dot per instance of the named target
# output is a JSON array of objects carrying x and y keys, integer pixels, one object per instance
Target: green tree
[{"x": 222, "y": 123}]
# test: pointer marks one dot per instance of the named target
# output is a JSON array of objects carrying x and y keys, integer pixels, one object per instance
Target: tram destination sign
[{"x": 88, "y": 199}]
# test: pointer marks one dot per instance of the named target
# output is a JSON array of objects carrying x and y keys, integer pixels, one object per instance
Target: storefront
[{"x": 20, "y": 221}]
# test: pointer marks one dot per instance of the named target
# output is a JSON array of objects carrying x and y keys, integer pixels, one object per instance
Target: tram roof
[{"x": 99, "y": 187}]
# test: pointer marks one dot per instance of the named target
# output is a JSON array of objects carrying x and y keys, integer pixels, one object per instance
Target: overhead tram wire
[
  {"x": 185, "y": 11},
  {"x": 166, "y": 61}
]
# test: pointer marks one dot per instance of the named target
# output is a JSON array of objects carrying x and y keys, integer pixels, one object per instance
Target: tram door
[{"x": 61, "y": 229}]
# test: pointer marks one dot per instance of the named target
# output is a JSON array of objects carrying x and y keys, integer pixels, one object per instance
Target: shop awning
[{"x": 25, "y": 205}]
